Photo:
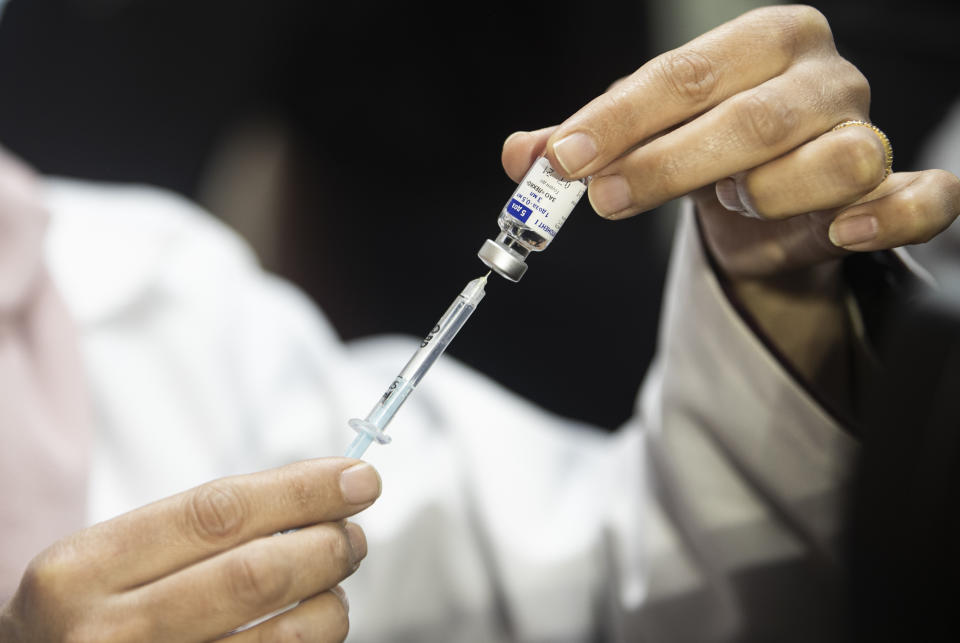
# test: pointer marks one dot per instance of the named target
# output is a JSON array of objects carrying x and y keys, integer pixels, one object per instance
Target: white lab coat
[{"x": 498, "y": 521}]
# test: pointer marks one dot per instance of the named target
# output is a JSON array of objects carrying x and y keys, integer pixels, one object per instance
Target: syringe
[{"x": 373, "y": 427}]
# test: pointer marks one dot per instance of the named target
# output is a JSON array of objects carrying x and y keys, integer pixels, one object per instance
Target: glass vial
[{"x": 531, "y": 219}]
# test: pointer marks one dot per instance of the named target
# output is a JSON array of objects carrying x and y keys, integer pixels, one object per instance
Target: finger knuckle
[
  {"x": 911, "y": 219},
  {"x": 48, "y": 574},
  {"x": 335, "y": 547},
  {"x": 255, "y": 579},
  {"x": 215, "y": 511},
  {"x": 618, "y": 102},
  {"x": 688, "y": 75},
  {"x": 83, "y": 633},
  {"x": 942, "y": 177},
  {"x": 765, "y": 119},
  {"x": 810, "y": 20},
  {"x": 860, "y": 161},
  {"x": 670, "y": 176},
  {"x": 655, "y": 178},
  {"x": 801, "y": 27},
  {"x": 856, "y": 87},
  {"x": 949, "y": 184},
  {"x": 335, "y": 627},
  {"x": 99, "y": 629},
  {"x": 286, "y": 630}
]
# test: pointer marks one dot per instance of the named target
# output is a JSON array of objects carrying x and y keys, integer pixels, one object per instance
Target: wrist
[
  {"x": 803, "y": 313},
  {"x": 799, "y": 311}
]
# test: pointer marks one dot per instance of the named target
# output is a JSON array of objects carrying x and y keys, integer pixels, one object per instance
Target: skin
[
  {"x": 741, "y": 119},
  {"x": 195, "y": 566}
]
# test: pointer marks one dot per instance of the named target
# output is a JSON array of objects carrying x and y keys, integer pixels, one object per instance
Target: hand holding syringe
[{"x": 528, "y": 222}]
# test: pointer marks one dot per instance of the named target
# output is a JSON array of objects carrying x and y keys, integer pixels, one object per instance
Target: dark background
[{"x": 394, "y": 112}]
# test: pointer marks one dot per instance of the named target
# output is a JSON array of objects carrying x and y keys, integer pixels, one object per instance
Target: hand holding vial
[
  {"x": 742, "y": 118},
  {"x": 766, "y": 127}
]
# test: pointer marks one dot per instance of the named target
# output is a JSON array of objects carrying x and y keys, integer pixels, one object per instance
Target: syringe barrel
[
  {"x": 430, "y": 349},
  {"x": 436, "y": 341},
  {"x": 444, "y": 331}
]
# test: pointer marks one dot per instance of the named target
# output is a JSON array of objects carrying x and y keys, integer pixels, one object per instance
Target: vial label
[{"x": 544, "y": 199}]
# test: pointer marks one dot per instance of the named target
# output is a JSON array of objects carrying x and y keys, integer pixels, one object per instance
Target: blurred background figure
[{"x": 356, "y": 146}]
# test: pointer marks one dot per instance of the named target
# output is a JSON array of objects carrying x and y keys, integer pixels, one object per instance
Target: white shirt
[{"x": 498, "y": 521}]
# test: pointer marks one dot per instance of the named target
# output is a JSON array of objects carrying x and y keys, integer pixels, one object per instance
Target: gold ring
[{"x": 887, "y": 148}]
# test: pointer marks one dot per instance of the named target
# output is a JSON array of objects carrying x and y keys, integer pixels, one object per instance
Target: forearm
[
  {"x": 723, "y": 391},
  {"x": 804, "y": 318},
  {"x": 800, "y": 312}
]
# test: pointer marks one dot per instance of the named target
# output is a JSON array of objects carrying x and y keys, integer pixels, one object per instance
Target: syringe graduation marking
[{"x": 373, "y": 427}]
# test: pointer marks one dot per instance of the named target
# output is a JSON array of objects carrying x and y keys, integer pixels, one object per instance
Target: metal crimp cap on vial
[{"x": 505, "y": 262}]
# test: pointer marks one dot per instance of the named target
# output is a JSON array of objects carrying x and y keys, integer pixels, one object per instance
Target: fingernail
[
  {"x": 342, "y": 595},
  {"x": 609, "y": 194},
  {"x": 358, "y": 542},
  {"x": 360, "y": 484},
  {"x": 853, "y": 231},
  {"x": 574, "y": 152},
  {"x": 728, "y": 196}
]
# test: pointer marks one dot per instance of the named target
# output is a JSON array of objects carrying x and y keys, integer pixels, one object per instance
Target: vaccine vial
[{"x": 531, "y": 219}]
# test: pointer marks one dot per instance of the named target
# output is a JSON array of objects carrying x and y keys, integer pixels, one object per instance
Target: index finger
[
  {"x": 682, "y": 83},
  {"x": 151, "y": 542}
]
